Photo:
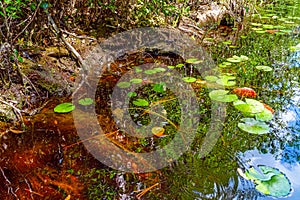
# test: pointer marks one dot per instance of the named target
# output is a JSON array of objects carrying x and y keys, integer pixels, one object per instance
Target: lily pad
[
  {"x": 180, "y": 65},
  {"x": 64, "y": 107},
  {"x": 222, "y": 96},
  {"x": 251, "y": 106},
  {"x": 189, "y": 79},
  {"x": 158, "y": 131},
  {"x": 123, "y": 84},
  {"x": 159, "y": 69},
  {"x": 265, "y": 115},
  {"x": 136, "y": 80},
  {"x": 269, "y": 181},
  {"x": 131, "y": 94},
  {"x": 86, "y": 101},
  {"x": 211, "y": 78},
  {"x": 226, "y": 81},
  {"x": 150, "y": 71},
  {"x": 140, "y": 102},
  {"x": 264, "y": 68},
  {"x": 251, "y": 125},
  {"x": 193, "y": 61}
]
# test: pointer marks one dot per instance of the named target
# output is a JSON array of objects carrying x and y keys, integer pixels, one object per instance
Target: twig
[
  {"x": 78, "y": 36},
  {"x": 69, "y": 46},
  {"x": 34, "y": 14},
  {"x": 146, "y": 190}
]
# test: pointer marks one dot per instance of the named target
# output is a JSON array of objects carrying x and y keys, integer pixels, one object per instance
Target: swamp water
[{"x": 49, "y": 161}]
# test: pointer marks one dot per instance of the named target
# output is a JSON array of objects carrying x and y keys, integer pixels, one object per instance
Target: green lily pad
[
  {"x": 253, "y": 174},
  {"x": 222, "y": 96},
  {"x": 193, "y": 61},
  {"x": 256, "y": 24},
  {"x": 226, "y": 81},
  {"x": 265, "y": 115},
  {"x": 268, "y": 26},
  {"x": 251, "y": 125},
  {"x": 227, "y": 42},
  {"x": 140, "y": 102},
  {"x": 131, "y": 94},
  {"x": 138, "y": 70},
  {"x": 264, "y": 68},
  {"x": 251, "y": 106},
  {"x": 234, "y": 60},
  {"x": 123, "y": 84},
  {"x": 211, "y": 78},
  {"x": 260, "y": 32},
  {"x": 189, "y": 79},
  {"x": 64, "y": 108},
  {"x": 269, "y": 181},
  {"x": 159, "y": 87},
  {"x": 180, "y": 65},
  {"x": 295, "y": 48},
  {"x": 136, "y": 80},
  {"x": 159, "y": 69},
  {"x": 150, "y": 71},
  {"x": 86, "y": 101},
  {"x": 171, "y": 67}
]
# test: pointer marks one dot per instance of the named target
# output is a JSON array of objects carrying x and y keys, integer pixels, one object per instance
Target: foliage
[
  {"x": 268, "y": 180},
  {"x": 64, "y": 108}
]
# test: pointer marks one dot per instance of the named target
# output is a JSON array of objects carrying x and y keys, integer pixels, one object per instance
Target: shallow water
[{"x": 50, "y": 161}]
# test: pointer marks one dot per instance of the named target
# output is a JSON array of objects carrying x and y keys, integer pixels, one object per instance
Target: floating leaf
[
  {"x": 295, "y": 48},
  {"x": 256, "y": 24},
  {"x": 86, "y": 101},
  {"x": 265, "y": 115},
  {"x": 234, "y": 60},
  {"x": 159, "y": 69},
  {"x": 131, "y": 94},
  {"x": 123, "y": 84},
  {"x": 253, "y": 174},
  {"x": 244, "y": 92},
  {"x": 251, "y": 125},
  {"x": 226, "y": 81},
  {"x": 140, "y": 102},
  {"x": 158, "y": 131},
  {"x": 269, "y": 181},
  {"x": 222, "y": 96},
  {"x": 171, "y": 67},
  {"x": 179, "y": 65},
  {"x": 136, "y": 80},
  {"x": 159, "y": 87},
  {"x": 250, "y": 106},
  {"x": 138, "y": 70},
  {"x": 211, "y": 78},
  {"x": 64, "y": 108},
  {"x": 193, "y": 61},
  {"x": 264, "y": 68},
  {"x": 189, "y": 79},
  {"x": 150, "y": 71}
]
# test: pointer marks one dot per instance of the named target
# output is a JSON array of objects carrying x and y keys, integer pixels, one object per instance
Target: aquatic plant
[
  {"x": 268, "y": 180},
  {"x": 244, "y": 92},
  {"x": 64, "y": 107}
]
